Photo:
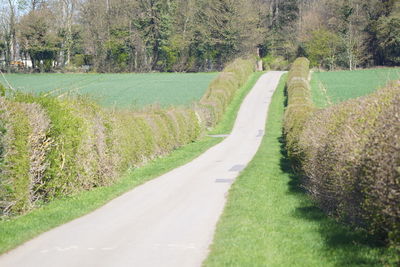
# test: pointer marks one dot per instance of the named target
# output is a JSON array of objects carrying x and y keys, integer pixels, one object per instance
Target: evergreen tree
[{"x": 282, "y": 28}]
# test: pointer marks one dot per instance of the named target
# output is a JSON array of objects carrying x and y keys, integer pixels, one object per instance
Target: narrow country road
[{"x": 169, "y": 221}]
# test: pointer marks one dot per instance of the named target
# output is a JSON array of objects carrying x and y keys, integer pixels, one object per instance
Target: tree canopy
[{"x": 196, "y": 35}]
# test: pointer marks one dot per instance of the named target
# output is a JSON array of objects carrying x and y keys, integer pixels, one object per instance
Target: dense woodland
[{"x": 195, "y": 35}]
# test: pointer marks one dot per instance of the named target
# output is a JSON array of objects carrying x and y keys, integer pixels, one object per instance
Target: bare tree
[
  {"x": 66, "y": 17},
  {"x": 8, "y": 22}
]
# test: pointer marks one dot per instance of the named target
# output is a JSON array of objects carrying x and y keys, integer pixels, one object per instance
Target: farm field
[
  {"x": 337, "y": 86},
  {"x": 119, "y": 90}
]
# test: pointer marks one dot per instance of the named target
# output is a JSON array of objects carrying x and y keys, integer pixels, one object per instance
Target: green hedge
[
  {"x": 275, "y": 63},
  {"x": 299, "y": 107},
  {"x": 221, "y": 91},
  {"x": 51, "y": 147},
  {"x": 15, "y": 183},
  {"x": 380, "y": 167},
  {"x": 349, "y": 154}
]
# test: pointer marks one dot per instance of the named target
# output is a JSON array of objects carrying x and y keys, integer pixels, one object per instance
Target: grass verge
[
  {"x": 18, "y": 230},
  {"x": 269, "y": 221}
]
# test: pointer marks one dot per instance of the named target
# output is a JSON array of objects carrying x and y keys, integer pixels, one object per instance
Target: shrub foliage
[
  {"x": 299, "y": 106},
  {"x": 52, "y": 147},
  {"x": 349, "y": 154}
]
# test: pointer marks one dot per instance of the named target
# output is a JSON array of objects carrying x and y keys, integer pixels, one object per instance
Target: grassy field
[
  {"x": 15, "y": 231},
  {"x": 120, "y": 90},
  {"x": 269, "y": 221},
  {"x": 336, "y": 86}
]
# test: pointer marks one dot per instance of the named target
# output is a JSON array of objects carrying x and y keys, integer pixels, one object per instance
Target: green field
[
  {"x": 337, "y": 86},
  {"x": 119, "y": 90}
]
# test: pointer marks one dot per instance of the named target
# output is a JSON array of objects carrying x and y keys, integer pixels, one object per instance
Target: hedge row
[
  {"x": 53, "y": 147},
  {"x": 299, "y": 107},
  {"x": 213, "y": 104},
  {"x": 350, "y": 155}
]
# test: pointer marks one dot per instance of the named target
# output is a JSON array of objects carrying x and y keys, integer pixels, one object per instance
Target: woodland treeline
[{"x": 195, "y": 35}]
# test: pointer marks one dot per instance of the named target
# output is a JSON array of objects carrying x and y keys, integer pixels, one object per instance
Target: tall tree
[
  {"x": 38, "y": 38},
  {"x": 226, "y": 28},
  {"x": 382, "y": 15},
  {"x": 193, "y": 35},
  {"x": 156, "y": 24},
  {"x": 388, "y": 35},
  {"x": 282, "y": 19},
  {"x": 10, "y": 9},
  {"x": 65, "y": 21}
]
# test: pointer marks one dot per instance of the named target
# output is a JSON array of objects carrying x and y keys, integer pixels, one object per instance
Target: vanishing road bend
[{"x": 169, "y": 221}]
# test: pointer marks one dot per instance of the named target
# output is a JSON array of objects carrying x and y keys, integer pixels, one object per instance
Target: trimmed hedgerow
[
  {"x": 52, "y": 147},
  {"x": 15, "y": 184},
  {"x": 349, "y": 154},
  {"x": 39, "y": 145},
  {"x": 221, "y": 91},
  {"x": 23, "y": 144},
  {"x": 380, "y": 168},
  {"x": 299, "y": 107},
  {"x": 351, "y": 162},
  {"x": 333, "y": 143},
  {"x": 68, "y": 131}
]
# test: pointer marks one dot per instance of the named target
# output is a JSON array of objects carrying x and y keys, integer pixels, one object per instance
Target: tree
[
  {"x": 65, "y": 23},
  {"x": 193, "y": 35},
  {"x": 322, "y": 48},
  {"x": 225, "y": 28},
  {"x": 96, "y": 25},
  {"x": 37, "y": 38},
  {"x": 348, "y": 21},
  {"x": 10, "y": 9},
  {"x": 156, "y": 25},
  {"x": 388, "y": 34},
  {"x": 180, "y": 53}
]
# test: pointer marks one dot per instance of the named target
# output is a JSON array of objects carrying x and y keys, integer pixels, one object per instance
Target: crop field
[
  {"x": 119, "y": 90},
  {"x": 337, "y": 86}
]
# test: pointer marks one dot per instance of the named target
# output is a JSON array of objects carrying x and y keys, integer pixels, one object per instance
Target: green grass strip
[
  {"x": 269, "y": 221},
  {"x": 18, "y": 230}
]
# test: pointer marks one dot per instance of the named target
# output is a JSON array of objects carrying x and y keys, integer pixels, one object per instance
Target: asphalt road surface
[{"x": 169, "y": 221}]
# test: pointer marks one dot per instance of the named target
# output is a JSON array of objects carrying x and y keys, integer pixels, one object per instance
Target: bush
[
  {"x": 23, "y": 144},
  {"x": 78, "y": 60},
  {"x": 275, "y": 63},
  {"x": 67, "y": 132},
  {"x": 333, "y": 143},
  {"x": 222, "y": 89},
  {"x": 299, "y": 107},
  {"x": 15, "y": 184},
  {"x": 380, "y": 169},
  {"x": 3, "y": 90}
]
